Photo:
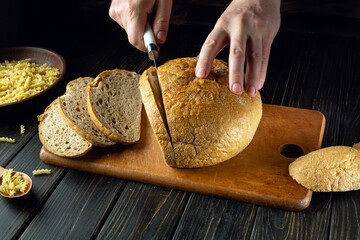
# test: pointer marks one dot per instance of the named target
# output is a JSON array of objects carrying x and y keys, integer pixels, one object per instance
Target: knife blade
[{"x": 153, "y": 54}]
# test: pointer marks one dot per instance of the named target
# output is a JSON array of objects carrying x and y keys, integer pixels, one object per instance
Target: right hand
[{"x": 132, "y": 15}]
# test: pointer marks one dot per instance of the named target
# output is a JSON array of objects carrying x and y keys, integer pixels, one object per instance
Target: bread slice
[
  {"x": 114, "y": 105},
  {"x": 73, "y": 108},
  {"x": 330, "y": 169},
  {"x": 208, "y": 123},
  {"x": 57, "y": 137}
]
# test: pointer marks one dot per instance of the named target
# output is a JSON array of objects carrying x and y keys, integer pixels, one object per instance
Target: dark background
[
  {"x": 78, "y": 28},
  {"x": 314, "y": 64},
  {"x": 46, "y": 23}
]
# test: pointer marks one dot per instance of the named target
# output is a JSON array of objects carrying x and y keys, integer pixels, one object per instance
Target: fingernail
[
  {"x": 236, "y": 88},
  {"x": 161, "y": 36},
  {"x": 251, "y": 91},
  {"x": 200, "y": 72}
]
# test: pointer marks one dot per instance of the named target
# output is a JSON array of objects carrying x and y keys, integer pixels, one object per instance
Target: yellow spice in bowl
[{"x": 22, "y": 79}]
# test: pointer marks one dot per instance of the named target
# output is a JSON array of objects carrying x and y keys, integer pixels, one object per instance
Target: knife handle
[{"x": 150, "y": 42}]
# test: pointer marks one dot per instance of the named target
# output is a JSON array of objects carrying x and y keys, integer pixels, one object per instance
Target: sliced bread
[
  {"x": 73, "y": 108},
  {"x": 114, "y": 105},
  {"x": 57, "y": 137}
]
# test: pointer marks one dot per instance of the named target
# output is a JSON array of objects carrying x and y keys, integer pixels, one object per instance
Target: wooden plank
[
  {"x": 76, "y": 209},
  {"x": 315, "y": 80},
  {"x": 145, "y": 212},
  {"x": 345, "y": 216},
  {"x": 309, "y": 221},
  {"x": 278, "y": 224},
  {"x": 64, "y": 215},
  {"x": 350, "y": 118},
  {"x": 10, "y": 127},
  {"x": 261, "y": 171},
  {"x": 15, "y": 214},
  {"x": 345, "y": 220},
  {"x": 181, "y": 43},
  {"x": 215, "y": 218},
  {"x": 284, "y": 86}
]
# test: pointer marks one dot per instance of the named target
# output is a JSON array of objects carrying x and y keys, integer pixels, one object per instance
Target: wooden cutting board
[{"x": 257, "y": 175}]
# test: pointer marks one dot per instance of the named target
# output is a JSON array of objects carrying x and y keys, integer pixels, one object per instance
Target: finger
[
  {"x": 264, "y": 62},
  {"x": 254, "y": 57},
  {"x": 213, "y": 44},
  {"x": 135, "y": 29},
  {"x": 162, "y": 20},
  {"x": 236, "y": 64},
  {"x": 115, "y": 12}
]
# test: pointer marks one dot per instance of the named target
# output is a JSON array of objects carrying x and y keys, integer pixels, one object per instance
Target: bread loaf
[
  {"x": 57, "y": 137},
  {"x": 73, "y": 108},
  {"x": 114, "y": 105},
  {"x": 329, "y": 169},
  {"x": 208, "y": 123},
  {"x": 357, "y": 146}
]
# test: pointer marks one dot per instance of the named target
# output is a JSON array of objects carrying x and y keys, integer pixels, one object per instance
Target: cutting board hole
[{"x": 291, "y": 150}]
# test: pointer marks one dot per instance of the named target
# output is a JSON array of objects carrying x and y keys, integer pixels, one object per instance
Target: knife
[{"x": 153, "y": 54}]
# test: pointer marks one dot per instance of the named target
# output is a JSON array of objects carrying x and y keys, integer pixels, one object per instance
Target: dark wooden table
[{"x": 312, "y": 69}]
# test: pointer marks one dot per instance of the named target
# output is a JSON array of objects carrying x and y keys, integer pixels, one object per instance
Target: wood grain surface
[
  {"x": 311, "y": 68},
  {"x": 258, "y": 175}
]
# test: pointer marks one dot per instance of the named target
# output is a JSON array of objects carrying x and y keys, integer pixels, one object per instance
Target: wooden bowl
[{"x": 39, "y": 56}]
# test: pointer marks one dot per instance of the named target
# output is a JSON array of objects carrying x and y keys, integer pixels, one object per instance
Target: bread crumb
[
  {"x": 7, "y": 139},
  {"x": 41, "y": 171},
  {"x": 22, "y": 129}
]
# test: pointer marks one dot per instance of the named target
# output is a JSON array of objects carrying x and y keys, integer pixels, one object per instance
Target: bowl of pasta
[{"x": 26, "y": 74}]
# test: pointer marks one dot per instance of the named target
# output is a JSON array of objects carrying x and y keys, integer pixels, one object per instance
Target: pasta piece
[
  {"x": 6, "y": 139},
  {"x": 12, "y": 183},
  {"x": 41, "y": 171},
  {"x": 22, "y": 79},
  {"x": 22, "y": 129}
]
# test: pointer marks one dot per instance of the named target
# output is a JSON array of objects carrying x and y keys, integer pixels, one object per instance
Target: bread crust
[
  {"x": 155, "y": 119},
  {"x": 78, "y": 130},
  {"x": 208, "y": 123},
  {"x": 357, "y": 146},
  {"x": 96, "y": 119},
  {"x": 331, "y": 169},
  {"x": 65, "y": 132}
]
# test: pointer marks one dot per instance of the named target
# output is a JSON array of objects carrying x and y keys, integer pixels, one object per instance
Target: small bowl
[{"x": 39, "y": 56}]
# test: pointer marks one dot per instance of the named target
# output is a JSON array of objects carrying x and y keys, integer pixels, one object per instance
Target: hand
[
  {"x": 249, "y": 26},
  {"x": 133, "y": 14}
]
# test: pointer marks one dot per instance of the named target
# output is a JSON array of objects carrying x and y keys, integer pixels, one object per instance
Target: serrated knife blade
[{"x": 153, "y": 76}]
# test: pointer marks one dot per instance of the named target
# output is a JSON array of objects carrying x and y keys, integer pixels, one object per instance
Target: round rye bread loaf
[{"x": 208, "y": 123}]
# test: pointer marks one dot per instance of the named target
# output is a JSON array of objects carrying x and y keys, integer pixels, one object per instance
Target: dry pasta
[
  {"x": 41, "y": 171},
  {"x": 12, "y": 183},
  {"x": 22, "y": 129},
  {"x": 22, "y": 79},
  {"x": 7, "y": 139}
]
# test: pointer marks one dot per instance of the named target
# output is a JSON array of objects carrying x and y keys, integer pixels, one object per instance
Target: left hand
[{"x": 249, "y": 26}]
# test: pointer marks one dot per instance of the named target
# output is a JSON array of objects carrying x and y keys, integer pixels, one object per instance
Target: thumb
[{"x": 162, "y": 19}]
